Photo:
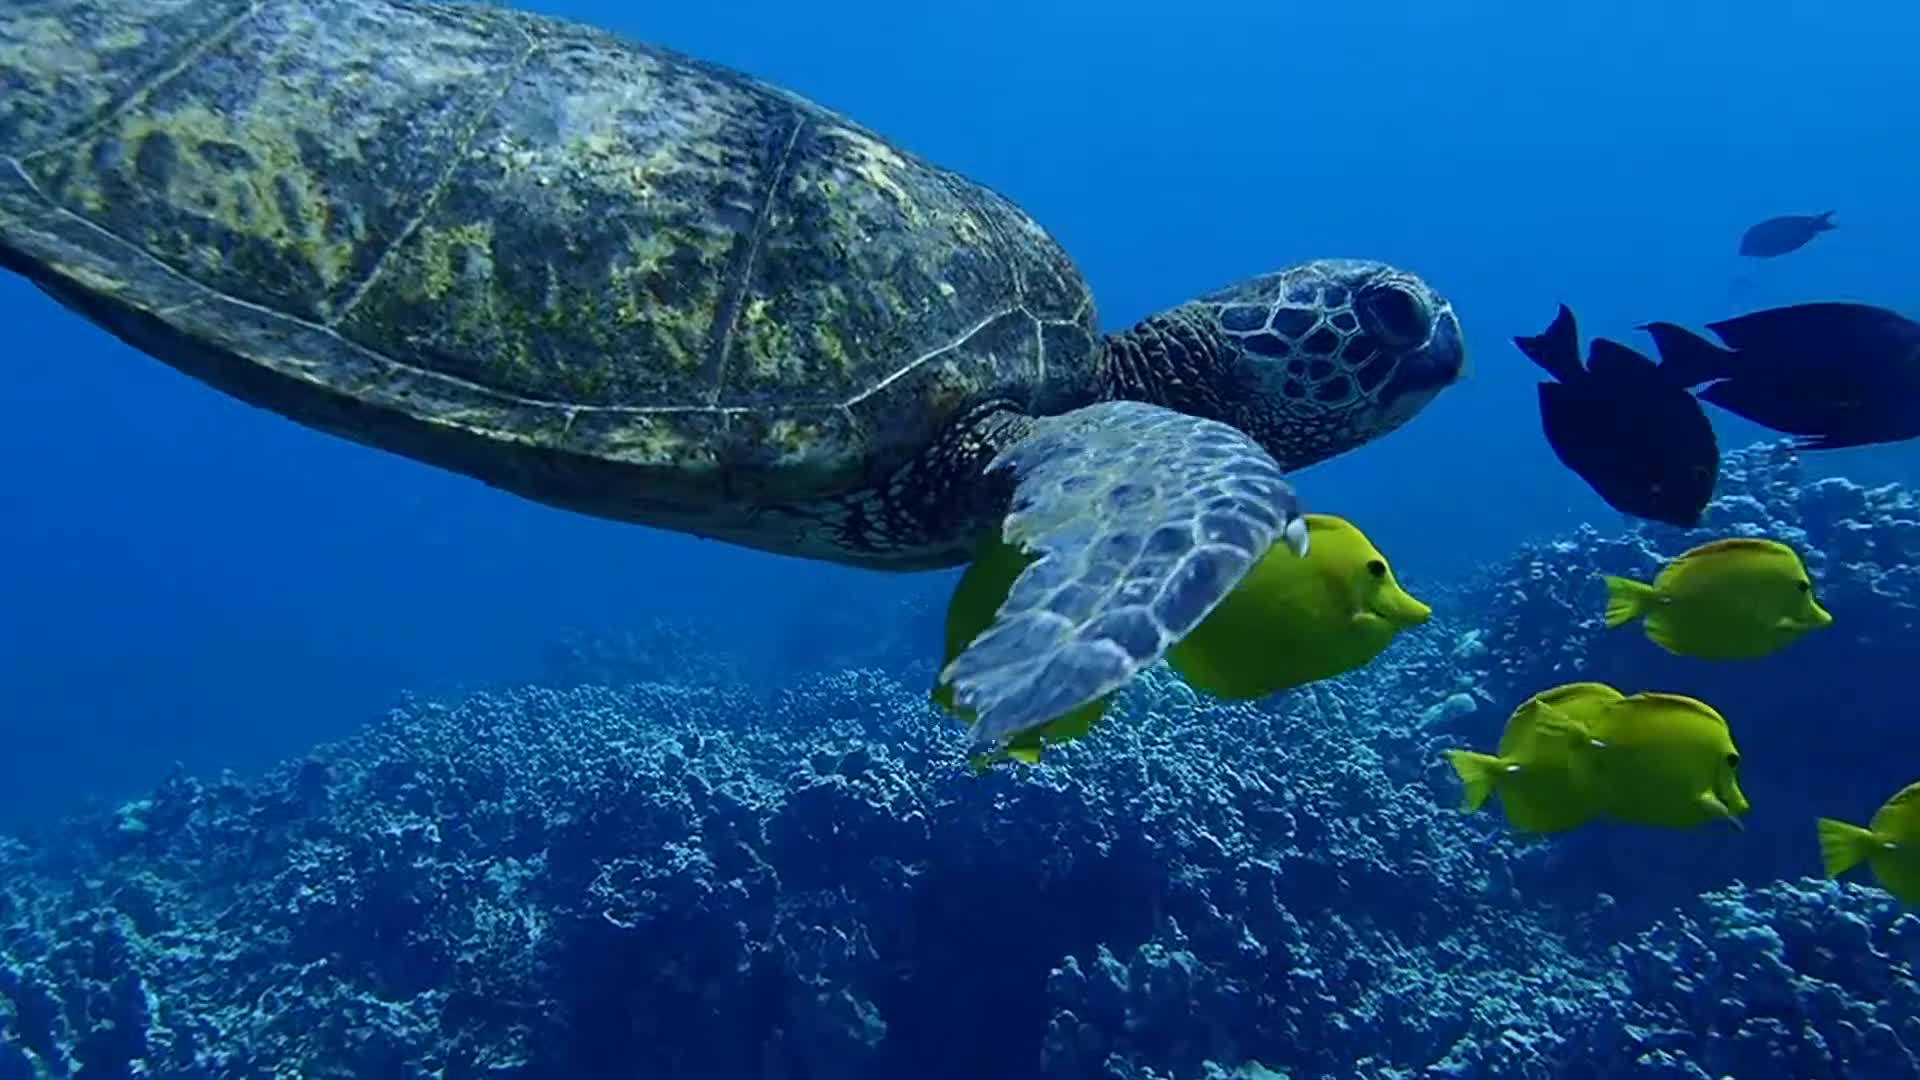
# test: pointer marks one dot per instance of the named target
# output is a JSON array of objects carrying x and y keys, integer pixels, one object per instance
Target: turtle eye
[
  {"x": 1376, "y": 568},
  {"x": 1394, "y": 315},
  {"x": 1733, "y": 761}
]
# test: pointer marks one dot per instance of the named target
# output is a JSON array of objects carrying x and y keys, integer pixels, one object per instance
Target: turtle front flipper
[{"x": 1139, "y": 521}]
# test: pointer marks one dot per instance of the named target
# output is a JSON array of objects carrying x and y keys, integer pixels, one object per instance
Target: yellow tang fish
[
  {"x": 1533, "y": 769},
  {"x": 1298, "y": 619},
  {"x": 1293, "y": 619},
  {"x": 1890, "y": 844},
  {"x": 1662, "y": 759},
  {"x": 1733, "y": 599},
  {"x": 977, "y": 596},
  {"x": 1649, "y": 759}
]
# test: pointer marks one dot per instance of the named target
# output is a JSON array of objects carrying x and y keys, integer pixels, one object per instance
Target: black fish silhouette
[
  {"x": 1641, "y": 442},
  {"x": 1833, "y": 374},
  {"x": 1779, "y": 235}
]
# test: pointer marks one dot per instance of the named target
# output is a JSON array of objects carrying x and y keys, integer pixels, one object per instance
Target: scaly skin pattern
[
  {"x": 596, "y": 273},
  {"x": 1292, "y": 359}
]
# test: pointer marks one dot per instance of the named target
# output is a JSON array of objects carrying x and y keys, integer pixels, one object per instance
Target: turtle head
[{"x": 1312, "y": 361}]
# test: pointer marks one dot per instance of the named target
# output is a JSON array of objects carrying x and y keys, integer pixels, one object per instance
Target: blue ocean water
[{"x": 187, "y": 579}]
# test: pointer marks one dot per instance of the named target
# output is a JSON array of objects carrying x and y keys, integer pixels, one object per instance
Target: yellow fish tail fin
[
  {"x": 1480, "y": 773},
  {"x": 1026, "y": 753},
  {"x": 982, "y": 761},
  {"x": 1843, "y": 846},
  {"x": 1627, "y": 600}
]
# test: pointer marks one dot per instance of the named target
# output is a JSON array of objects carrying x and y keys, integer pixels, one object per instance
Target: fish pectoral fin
[
  {"x": 1548, "y": 720},
  {"x": 1712, "y": 805}
]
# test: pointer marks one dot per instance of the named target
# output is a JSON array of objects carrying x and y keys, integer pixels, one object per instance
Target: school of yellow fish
[
  {"x": 1570, "y": 754},
  {"x": 1584, "y": 751}
]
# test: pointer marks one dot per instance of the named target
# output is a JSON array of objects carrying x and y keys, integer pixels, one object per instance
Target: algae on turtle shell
[{"x": 630, "y": 283}]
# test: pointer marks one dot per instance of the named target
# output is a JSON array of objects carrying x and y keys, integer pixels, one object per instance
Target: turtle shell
[{"x": 597, "y": 273}]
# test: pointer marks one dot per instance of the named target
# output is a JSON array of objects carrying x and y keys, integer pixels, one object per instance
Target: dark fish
[
  {"x": 1779, "y": 235},
  {"x": 1641, "y": 442},
  {"x": 1832, "y": 374}
]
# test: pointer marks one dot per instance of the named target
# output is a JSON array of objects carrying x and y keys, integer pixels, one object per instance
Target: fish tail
[
  {"x": 1843, "y": 846},
  {"x": 1627, "y": 600},
  {"x": 1686, "y": 358},
  {"x": 1824, "y": 220},
  {"x": 1479, "y": 772},
  {"x": 1557, "y": 348}
]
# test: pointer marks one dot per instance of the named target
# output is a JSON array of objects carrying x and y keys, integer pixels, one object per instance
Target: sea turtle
[{"x": 627, "y": 282}]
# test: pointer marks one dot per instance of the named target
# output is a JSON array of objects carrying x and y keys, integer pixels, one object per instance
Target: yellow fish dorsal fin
[
  {"x": 1679, "y": 701},
  {"x": 1730, "y": 549},
  {"x": 1906, "y": 796},
  {"x": 1733, "y": 544},
  {"x": 1578, "y": 691},
  {"x": 1900, "y": 817}
]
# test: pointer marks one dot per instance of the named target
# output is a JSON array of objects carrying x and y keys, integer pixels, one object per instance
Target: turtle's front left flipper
[{"x": 1139, "y": 520}]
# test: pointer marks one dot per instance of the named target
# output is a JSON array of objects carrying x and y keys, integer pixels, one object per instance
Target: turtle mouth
[
  {"x": 1436, "y": 361},
  {"x": 1435, "y": 364}
]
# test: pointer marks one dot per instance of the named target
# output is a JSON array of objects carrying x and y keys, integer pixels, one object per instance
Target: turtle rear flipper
[{"x": 1139, "y": 520}]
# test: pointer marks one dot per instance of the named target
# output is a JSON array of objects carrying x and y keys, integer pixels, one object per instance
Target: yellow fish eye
[
  {"x": 1733, "y": 761},
  {"x": 1805, "y": 585},
  {"x": 1376, "y": 568}
]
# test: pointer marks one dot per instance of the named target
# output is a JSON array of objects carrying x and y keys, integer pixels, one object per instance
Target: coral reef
[
  {"x": 675, "y": 881},
  {"x": 1813, "y": 722}
]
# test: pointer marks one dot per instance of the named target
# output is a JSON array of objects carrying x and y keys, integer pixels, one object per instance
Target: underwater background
[{"x": 491, "y": 762}]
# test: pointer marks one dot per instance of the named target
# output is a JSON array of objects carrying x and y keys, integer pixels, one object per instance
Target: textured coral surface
[{"x": 621, "y": 875}]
